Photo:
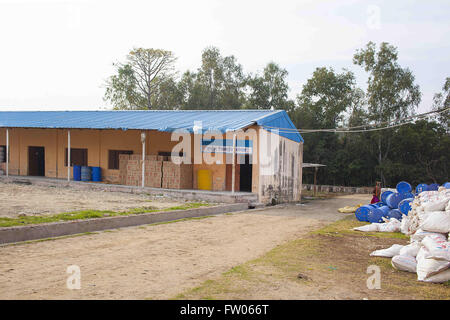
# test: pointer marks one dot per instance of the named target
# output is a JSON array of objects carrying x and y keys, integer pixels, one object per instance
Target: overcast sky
[{"x": 56, "y": 55}]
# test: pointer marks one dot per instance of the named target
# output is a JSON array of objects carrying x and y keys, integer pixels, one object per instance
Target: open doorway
[
  {"x": 245, "y": 180},
  {"x": 36, "y": 161}
]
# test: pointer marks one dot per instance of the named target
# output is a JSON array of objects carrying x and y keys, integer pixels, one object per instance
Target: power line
[{"x": 403, "y": 121}]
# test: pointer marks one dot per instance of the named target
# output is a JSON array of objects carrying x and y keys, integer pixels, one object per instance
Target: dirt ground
[
  {"x": 18, "y": 199},
  {"x": 158, "y": 261},
  {"x": 329, "y": 263}
]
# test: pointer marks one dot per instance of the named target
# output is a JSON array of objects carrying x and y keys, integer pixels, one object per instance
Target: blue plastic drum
[
  {"x": 76, "y": 173},
  {"x": 393, "y": 200},
  {"x": 433, "y": 187},
  {"x": 403, "y": 187},
  {"x": 421, "y": 188},
  {"x": 395, "y": 213},
  {"x": 446, "y": 185},
  {"x": 384, "y": 209},
  {"x": 405, "y": 205},
  {"x": 86, "y": 173},
  {"x": 362, "y": 212},
  {"x": 96, "y": 174},
  {"x": 377, "y": 204},
  {"x": 376, "y": 215},
  {"x": 384, "y": 195}
]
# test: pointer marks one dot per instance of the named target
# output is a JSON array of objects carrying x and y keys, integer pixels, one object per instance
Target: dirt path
[{"x": 157, "y": 261}]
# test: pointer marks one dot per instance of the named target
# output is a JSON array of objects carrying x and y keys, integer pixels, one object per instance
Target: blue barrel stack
[{"x": 394, "y": 204}]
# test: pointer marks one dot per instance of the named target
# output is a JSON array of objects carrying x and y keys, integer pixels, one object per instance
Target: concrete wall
[
  {"x": 281, "y": 178},
  {"x": 338, "y": 189}
]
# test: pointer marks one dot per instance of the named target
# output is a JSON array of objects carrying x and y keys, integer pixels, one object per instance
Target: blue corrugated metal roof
[{"x": 161, "y": 120}]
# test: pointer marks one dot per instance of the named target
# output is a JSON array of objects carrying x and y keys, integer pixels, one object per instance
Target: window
[
  {"x": 78, "y": 157},
  {"x": 113, "y": 158},
  {"x": 169, "y": 154},
  {"x": 2, "y": 154}
]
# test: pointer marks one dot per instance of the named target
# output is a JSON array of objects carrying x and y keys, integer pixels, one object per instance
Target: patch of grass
[
  {"x": 344, "y": 227},
  {"x": 90, "y": 214}
]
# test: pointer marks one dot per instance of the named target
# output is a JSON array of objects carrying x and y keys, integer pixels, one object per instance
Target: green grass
[
  {"x": 345, "y": 227},
  {"x": 90, "y": 214}
]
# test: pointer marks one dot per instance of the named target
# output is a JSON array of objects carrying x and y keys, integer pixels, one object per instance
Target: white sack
[
  {"x": 368, "y": 227},
  {"x": 437, "y": 248},
  {"x": 439, "y": 278},
  {"x": 404, "y": 263},
  {"x": 429, "y": 267},
  {"x": 420, "y": 234},
  {"x": 392, "y": 226},
  {"x": 438, "y": 221},
  {"x": 438, "y": 205},
  {"x": 411, "y": 249},
  {"x": 405, "y": 224},
  {"x": 389, "y": 252}
]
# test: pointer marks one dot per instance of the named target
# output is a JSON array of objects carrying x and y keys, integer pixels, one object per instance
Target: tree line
[{"x": 416, "y": 152}]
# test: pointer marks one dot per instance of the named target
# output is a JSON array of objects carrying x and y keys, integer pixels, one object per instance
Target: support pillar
[
  {"x": 68, "y": 155},
  {"x": 143, "y": 137},
  {"x": 233, "y": 171},
  {"x": 7, "y": 152}
]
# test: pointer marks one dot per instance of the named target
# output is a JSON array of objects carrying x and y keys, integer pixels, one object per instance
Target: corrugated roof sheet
[{"x": 161, "y": 120}]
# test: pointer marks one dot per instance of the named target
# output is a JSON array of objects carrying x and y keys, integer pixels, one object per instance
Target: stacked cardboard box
[
  {"x": 177, "y": 176},
  {"x": 130, "y": 167}
]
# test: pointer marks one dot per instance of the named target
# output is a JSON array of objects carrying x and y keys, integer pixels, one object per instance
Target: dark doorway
[
  {"x": 36, "y": 161},
  {"x": 245, "y": 180}
]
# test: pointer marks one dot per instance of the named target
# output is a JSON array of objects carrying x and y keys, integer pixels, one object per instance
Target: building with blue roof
[{"x": 258, "y": 151}]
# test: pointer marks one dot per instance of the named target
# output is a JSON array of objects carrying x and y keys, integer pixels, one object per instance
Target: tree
[
  {"x": 391, "y": 93},
  {"x": 441, "y": 101},
  {"x": 218, "y": 84},
  {"x": 323, "y": 101},
  {"x": 137, "y": 80},
  {"x": 122, "y": 90},
  {"x": 269, "y": 90},
  {"x": 167, "y": 95},
  {"x": 420, "y": 153}
]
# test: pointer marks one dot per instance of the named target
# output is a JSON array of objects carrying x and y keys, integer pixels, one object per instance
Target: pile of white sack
[{"x": 428, "y": 225}]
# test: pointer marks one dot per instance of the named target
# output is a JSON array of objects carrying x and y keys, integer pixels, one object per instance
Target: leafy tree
[
  {"x": 218, "y": 84},
  {"x": 420, "y": 153},
  {"x": 441, "y": 101},
  {"x": 137, "y": 80},
  {"x": 122, "y": 90},
  {"x": 391, "y": 93},
  {"x": 167, "y": 95},
  {"x": 269, "y": 90}
]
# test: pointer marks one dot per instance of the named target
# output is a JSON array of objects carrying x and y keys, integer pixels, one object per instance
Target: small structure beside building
[{"x": 257, "y": 151}]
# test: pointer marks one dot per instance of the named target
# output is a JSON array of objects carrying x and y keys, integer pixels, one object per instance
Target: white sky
[{"x": 56, "y": 55}]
